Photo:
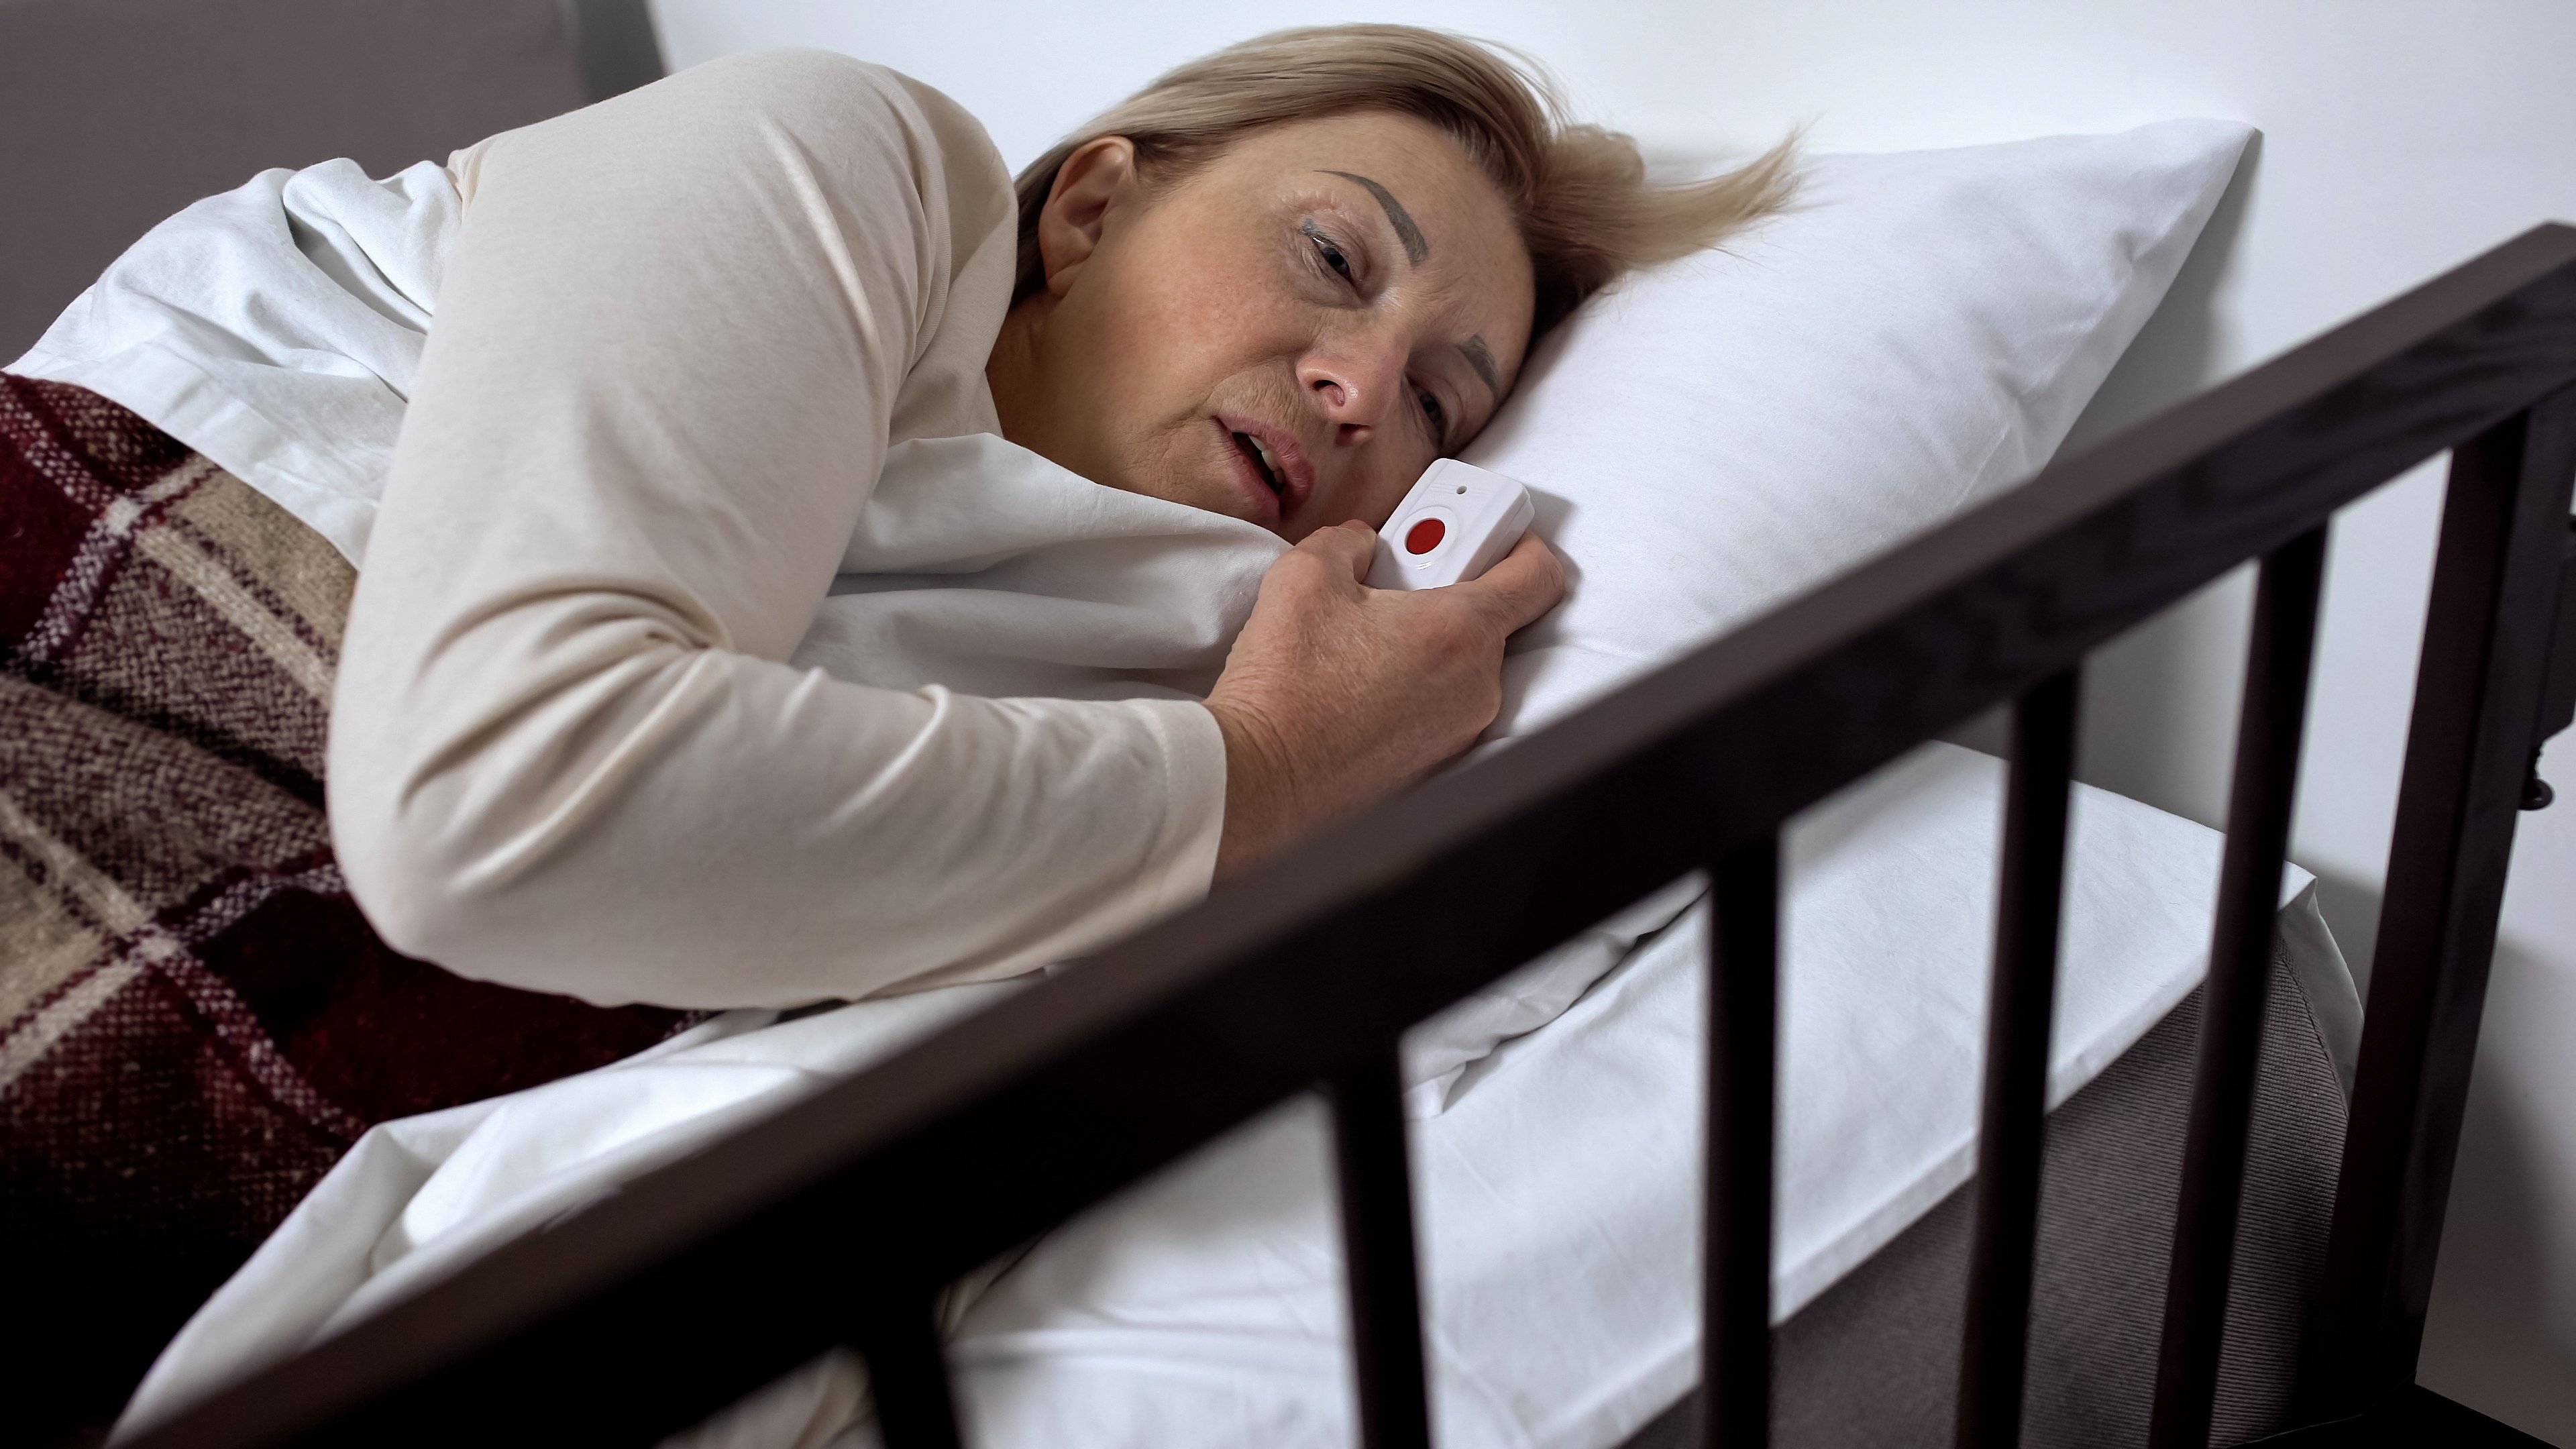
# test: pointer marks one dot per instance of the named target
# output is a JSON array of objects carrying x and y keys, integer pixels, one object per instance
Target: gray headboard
[{"x": 116, "y": 113}]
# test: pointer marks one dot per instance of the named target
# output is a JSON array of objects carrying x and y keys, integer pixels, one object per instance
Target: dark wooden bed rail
[{"x": 838, "y": 1219}]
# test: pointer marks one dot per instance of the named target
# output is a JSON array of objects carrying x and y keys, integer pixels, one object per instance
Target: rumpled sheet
[{"x": 1558, "y": 1194}]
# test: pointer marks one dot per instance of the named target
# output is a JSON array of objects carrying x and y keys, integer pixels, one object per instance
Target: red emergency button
[{"x": 1425, "y": 536}]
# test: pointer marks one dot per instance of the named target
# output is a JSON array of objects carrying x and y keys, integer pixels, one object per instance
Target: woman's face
[{"x": 1290, "y": 334}]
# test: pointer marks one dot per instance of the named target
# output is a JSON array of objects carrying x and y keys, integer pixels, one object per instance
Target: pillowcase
[{"x": 1711, "y": 438}]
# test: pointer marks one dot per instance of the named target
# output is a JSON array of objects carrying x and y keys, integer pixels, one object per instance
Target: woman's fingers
[
  {"x": 1335, "y": 693},
  {"x": 1353, "y": 545},
  {"x": 1526, "y": 583}
]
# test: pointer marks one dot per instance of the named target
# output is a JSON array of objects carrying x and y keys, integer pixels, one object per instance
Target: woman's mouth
[
  {"x": 1262, "y": 460},
  {"x": 1267, "y": 465}
]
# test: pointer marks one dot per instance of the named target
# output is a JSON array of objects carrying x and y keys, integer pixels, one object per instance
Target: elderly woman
[
  {"x": 678, "y": 335},
  {"x": 699, "y": 356},
  {"x": 676, "y": 339}
]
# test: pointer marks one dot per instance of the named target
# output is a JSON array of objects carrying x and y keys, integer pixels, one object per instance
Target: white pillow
[{"x": 1711, "y": 438}]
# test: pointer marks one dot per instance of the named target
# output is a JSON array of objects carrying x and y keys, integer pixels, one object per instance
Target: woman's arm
[{"x": 566, "y": 753}]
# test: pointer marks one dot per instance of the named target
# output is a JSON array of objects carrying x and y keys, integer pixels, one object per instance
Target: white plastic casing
[{"x": 1481, "y": 515}]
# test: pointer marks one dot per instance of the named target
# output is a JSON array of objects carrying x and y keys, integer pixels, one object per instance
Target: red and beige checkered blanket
[{"x": 195, "y": 1020}]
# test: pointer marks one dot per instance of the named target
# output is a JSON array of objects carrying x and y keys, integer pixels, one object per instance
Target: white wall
[{"x": 2398, "y": 139}]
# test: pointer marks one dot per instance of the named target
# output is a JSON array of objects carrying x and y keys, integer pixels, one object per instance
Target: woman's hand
[{"x": 1336, "y": 694}]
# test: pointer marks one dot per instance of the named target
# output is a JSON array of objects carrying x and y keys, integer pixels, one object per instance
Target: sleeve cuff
[{"x": 1193, "y": 800}]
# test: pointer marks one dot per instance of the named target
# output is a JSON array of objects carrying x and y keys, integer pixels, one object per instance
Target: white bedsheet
[
  {"x": 275, "y": 328},
  {"x": 1558, "y": 1192}
]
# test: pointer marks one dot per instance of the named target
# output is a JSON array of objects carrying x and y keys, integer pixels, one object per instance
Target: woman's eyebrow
[
  {"x": 1481, "y": 358},
  {"x": 1415, "y": 248}
]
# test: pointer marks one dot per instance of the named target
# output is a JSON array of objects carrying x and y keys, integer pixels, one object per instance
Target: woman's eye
[
  {"x": 1331, "y": 254},
  {"x": 1439, "y": 419}
]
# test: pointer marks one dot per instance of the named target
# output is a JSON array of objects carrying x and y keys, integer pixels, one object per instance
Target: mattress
[
  {"x": 1558, "y": 1190},
  {"x": 1873, "y": 1362},
  {"x": 1561, "y": 1246}
]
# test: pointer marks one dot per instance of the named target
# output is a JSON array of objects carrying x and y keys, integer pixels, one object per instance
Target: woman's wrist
[{"x": 1259, "y": 804}]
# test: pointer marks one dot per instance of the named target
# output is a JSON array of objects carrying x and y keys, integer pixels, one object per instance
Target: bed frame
[{"x": 837, "y": 1221}]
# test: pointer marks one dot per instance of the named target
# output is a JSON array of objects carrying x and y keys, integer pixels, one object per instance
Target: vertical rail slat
[
  {"x": 908, "y": 1375},
  {"x": 2261, "y": 797},
  {"x": 2011, "y": 1139},
  {"x": 1377, "y": 1246},
  {"x": 2477, "y": 696},
  {"x": 1743, "y": 1008}
]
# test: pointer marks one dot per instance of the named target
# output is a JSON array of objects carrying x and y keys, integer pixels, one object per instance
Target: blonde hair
[{"x": 1586, "y": 212}]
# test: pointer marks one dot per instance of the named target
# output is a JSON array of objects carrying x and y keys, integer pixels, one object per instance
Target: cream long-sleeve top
[{"x": 710, "y": 647}]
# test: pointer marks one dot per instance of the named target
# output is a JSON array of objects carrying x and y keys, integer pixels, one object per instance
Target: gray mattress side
[{"x": 1875, "y": 1360}]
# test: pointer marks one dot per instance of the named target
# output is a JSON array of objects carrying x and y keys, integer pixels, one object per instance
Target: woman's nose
[{"x": 1356, "y": 385}]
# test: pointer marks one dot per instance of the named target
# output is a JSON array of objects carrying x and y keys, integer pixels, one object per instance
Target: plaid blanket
[{"x": 195, "y": 1020}]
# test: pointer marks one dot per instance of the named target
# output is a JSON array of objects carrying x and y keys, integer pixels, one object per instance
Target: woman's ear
[{"x": 1094, "y": 180}]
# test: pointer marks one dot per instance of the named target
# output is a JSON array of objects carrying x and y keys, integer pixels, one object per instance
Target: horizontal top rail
[{"x": 698, "y": 1282}]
